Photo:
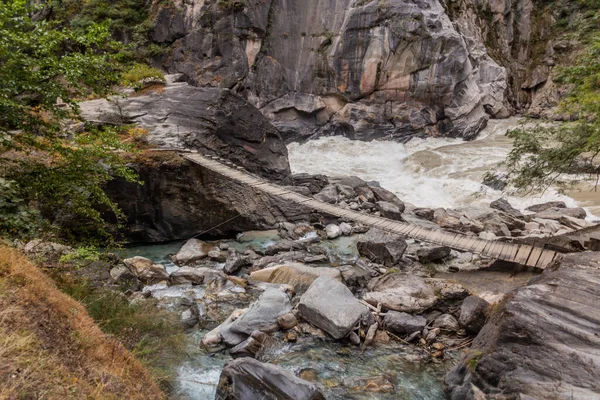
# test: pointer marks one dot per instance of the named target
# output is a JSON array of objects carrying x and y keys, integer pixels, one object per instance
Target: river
[{"x": 432, "y": 172}]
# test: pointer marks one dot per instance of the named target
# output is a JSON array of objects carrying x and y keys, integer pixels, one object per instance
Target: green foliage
[
  {"x": 135, "y": 76},
  {"x": 83, "y": 253},
  {"x": 544, "y": 153},
  {"x": 16, "y": 218},
  {"x": 58, "y": 171}
]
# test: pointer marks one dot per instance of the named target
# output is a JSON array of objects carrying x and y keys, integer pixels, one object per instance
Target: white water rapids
[{"x": 432, "y": 172}]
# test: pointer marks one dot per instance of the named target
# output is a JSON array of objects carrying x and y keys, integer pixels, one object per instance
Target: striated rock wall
[
  {"x": 542, "y": 342},
  {"x": 364, "y": 69}
]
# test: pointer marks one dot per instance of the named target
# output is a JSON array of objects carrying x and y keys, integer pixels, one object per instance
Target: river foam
[{"x": 432, "y": 172}]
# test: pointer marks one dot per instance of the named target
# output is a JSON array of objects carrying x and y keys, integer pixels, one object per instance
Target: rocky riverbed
[{"x": 326, "y": 307}]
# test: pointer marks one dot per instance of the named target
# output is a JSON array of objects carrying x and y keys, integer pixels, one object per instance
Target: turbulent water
[{"x": 432, "y": 172}]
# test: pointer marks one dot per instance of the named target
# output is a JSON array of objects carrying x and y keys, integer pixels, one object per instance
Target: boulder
[
  {"x": 355, "y": 276},
  {"x": 403, "y": 323},
  {"x": 412, "y": 294},
  {"x": 382, "y": 194},
  {"x": 473, "y": 314},
  {"x": 328, "y": 194},
  {"x": 146, "y": 270},
  {"x": 248, "y": 379},
  {"x": 558, "y": 213},
  {"x": 346, "y": 228},
  {"x": 433, "y": 253},
  {"x": 196, "y": 276},
  {"x": 381, "y": 247},
  {"x": 389, "y": 210},
  {"x": 298, "y": 275},
  {"x": 446, "y": 322},
  {"x": 39, "y": 248},
  {"x": 333, "y": 231},
  {"x": 546, "y": 206},
  {"x": 541, "y": 342},
  {"x": 287, "y": 321},
  {"x": 193, "y": 250},
  {"x": 400, "y": 292},
  {"x": 329, "y": 305},
  {"x": 262, "y": 315},
  {"x": 425, "y": 213},
  {"x": 504, "y": 206},
  {"x": 235, "y": 261}
]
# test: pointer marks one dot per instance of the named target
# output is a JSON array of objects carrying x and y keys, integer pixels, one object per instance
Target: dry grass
[{"x": 51, "y": 349}]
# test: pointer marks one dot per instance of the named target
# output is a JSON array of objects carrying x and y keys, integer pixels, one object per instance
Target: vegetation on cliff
[
  {"x": 543, "y": 153},
  {"x": 49, "y": 162}
]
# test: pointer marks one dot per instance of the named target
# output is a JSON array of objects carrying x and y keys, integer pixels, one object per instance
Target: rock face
[
  {"x": 180, "y": 199},
  {"x": 210, "y": 120},
  {"x": 331, "y": 306},
  {"x": 248, "y": 379},
  {"x": 542, "y": 342},
  {"x": 381, "y": 247},
  {"x": 360, "y": 69}
]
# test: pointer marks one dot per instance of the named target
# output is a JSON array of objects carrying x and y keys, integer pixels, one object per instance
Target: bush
[
  {"x": 16, "y": 217},
  {"x": 136, "y": 76}
]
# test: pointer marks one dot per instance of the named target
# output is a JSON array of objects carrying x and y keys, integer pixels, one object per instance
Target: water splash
[{"x": 432, "y": 172}]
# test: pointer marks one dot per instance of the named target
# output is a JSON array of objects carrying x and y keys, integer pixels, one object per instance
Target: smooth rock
[
  {"x": 248, "y": 379},
  {"x": 400, "y": 292},
  {"x": 300, "y": 276},
  {"x": 333, "y": 231},
  {"x": 403, "y": 323},
  {"x": 192, "y": 250},
  {"x": 473, "y": 314},
  {"x": 263, "y": 314},
  {"x": 328, "y": 304},
  {"x": 287, "y": 321}
]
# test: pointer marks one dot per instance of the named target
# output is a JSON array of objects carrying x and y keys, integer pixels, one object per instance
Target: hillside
[{"x": 50, "y": 347}]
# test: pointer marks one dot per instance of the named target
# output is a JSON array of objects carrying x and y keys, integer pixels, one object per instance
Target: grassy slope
[{"x": 50, "y": 347}]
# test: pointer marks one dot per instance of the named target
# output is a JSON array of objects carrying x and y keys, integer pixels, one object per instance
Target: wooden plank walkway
[{"x": 524, "y": 254}]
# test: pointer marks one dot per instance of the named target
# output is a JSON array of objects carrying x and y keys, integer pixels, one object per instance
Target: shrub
[{"x": 136, "y": 76}]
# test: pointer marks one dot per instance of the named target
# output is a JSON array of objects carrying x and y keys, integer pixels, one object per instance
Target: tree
[
  {"x": 544, "y": 153},
  {"x": 45, "y": 67}
]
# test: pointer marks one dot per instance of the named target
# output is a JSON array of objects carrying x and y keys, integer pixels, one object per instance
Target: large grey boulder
[
  {"x": 542, "y": 342},
  {"x": 389, "y": 210},
  {"x": 262, "y": 315},
  {"x": 193, "y": 250},
  {"x": 412, "y": 294},
  {"x": 400, "y": 292},
  {"x": 298, "y": 275},
  {"x": 328, "y": 304},
  {"x": 473, "y": 313},
  {"x": 381, "y": 247},
  {"x": 403, "y": 323},
  {"x": 248, "y": 379},
  {"x": 546, "y": 206},
  {"x": 146, "y": 270}
]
